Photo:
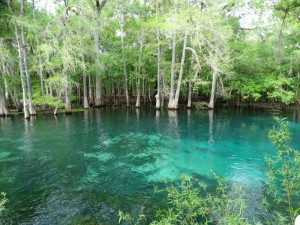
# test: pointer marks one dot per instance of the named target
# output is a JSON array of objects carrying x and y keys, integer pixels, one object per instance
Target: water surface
[{"x": 83, "y": 168}]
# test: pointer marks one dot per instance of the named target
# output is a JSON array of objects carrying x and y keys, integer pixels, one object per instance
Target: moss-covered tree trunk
[
  {"x": 85, "y": 91},
  {"x": 190, "y": 85},
  {"x": 98, "y": 98},
  {"x": 68, "y": 91},
  {"x": 158, "y": 94},
  {"x": 23, "y": 83},
  {"x": 3, "y": 108},
  {"x": 91, "y": 93},
  {"x": 26, "y": 66},
  {"x": 138, "y": 83}
]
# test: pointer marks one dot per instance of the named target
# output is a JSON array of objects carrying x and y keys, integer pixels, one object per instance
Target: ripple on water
[
  {"x": 100, "y": 156},
  {"x": 7, "y": 157}
]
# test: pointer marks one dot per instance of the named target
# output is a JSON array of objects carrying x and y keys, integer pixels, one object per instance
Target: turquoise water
[{"x": 83, "y": 168}]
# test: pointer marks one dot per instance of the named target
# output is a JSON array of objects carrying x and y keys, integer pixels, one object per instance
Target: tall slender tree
[
  {"x": 98, "y": 8},
  {"x": 25, "y": 60}
]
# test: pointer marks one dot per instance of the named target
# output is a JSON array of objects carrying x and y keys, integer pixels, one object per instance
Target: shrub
[
  {"x": 200, "y": 105},
  {"x": 283, "y": 172}
]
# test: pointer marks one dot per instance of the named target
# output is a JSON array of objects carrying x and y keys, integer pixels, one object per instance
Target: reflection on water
[
  {"x": 138, "y": 113},
  {"x": 296, "y": 116},
  {"x": 211, "y": 126},
  {"x": 27, "y": 135},
  {"x": 86, "y": 166},
  {"x": 157, "y": 114}
]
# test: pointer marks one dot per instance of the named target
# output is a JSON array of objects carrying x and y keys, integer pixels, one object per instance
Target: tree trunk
[
  {"x": 3, "y": 108},
  {"x": 25, "y": 60},
  {"x": 66, "y": 74},
  {"x": 190, "y": 84},
  {"x": 39, "y": 54},
  {"x": 24, "y": 89},
  {"x": 171, "y": 94},
  {"x": 162, "y": 77},
  {"x": 138, "y": 83},
  {"x": 15, "y": 99},
  {"x": 189, "y": 102},
  {"x": 211, "y": 103},
  {"x": 180, "y": 72},
  {"x": 78, "y": 92},
  {"x": 50, "y": 90},
  {"x": 98, "y": 100},
  {"x": 124, "y": 66},
  {"x": 138, "y": 93},
  {"x": 91, "y": 96},
  {"x": 144, "y": 92},
  {"x": 47, "y": 90},
  {"x": 56, "y": 108},
  {"x": 158, "y": 95},
  {"x": 6, "y": 89},
  {"x": 68, "y": 91},
  {"x": 85, "y": 94}
]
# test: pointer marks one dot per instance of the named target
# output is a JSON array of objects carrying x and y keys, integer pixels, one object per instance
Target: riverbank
[{"x": 271, "y": 107}]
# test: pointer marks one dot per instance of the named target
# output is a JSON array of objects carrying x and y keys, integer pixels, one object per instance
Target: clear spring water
[{"x": 83, "y": 168}]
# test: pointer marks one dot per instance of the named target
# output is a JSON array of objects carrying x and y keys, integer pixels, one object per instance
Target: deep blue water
[{"x": 82, "y": 168}]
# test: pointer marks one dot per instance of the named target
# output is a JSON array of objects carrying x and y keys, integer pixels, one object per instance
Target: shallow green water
[{"x": 83, "y": 168}]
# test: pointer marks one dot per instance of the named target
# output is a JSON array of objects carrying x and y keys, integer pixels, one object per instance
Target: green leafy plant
[
  {"x": 191, "y": 203},
  {"x": 3, "y": 201},
  {"x": 283, "y": 173},
  {"x": 125, "y": 217},
  {"x": 200, "y": 105}
]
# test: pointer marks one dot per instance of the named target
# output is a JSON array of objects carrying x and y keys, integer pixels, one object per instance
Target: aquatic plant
[
  {"x": 3, "y": 201},
  {"x": 283, "y": 172},
  {"x": 189, "y": 202},
  {"x": 192, "y": 203}
]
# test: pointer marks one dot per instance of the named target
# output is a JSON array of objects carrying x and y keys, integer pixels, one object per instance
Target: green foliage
[
  {"x": 275, "y": 89},
  {"x": 191, "y": 203},
  {"x": 258, "y": 76},
  {"x": 259, "y": 64},
  {"x": 125, "y": 217},
  {"x": 283, "y": 173},
  {"x": 48, "y": 100},
  {"x": 200, "y": 105}
]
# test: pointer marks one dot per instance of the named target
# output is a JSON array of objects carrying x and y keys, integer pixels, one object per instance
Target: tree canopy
[{"x": 95, "y": 53}]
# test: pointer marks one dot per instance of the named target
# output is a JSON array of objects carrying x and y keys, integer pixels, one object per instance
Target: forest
[{"x": 159, "y": 53}]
